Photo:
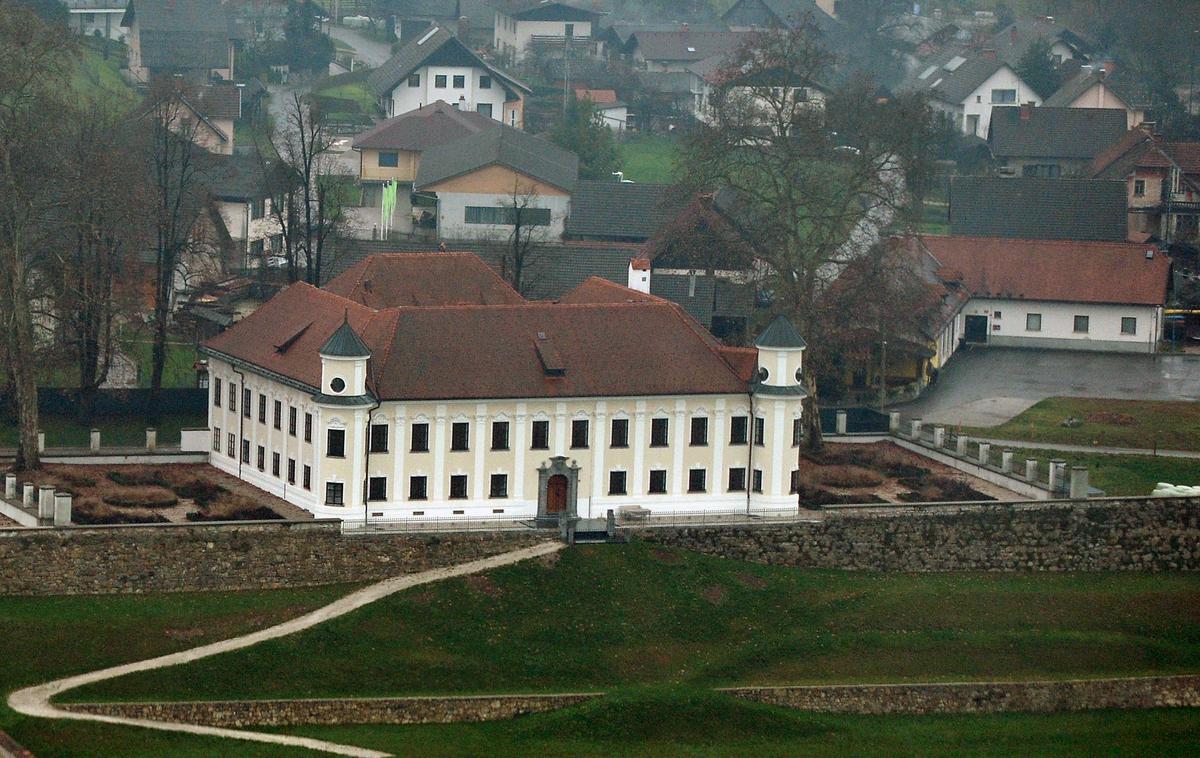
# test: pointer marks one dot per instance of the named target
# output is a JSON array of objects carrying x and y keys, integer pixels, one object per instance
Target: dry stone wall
[
  {"x": 1131, "y": 534},
  {"x": 246, "y": 555}
]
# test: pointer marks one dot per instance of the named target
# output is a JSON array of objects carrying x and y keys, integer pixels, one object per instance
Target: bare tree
[
  {"x": 34, "y": 64},
  {"x": 806, "y": 198},
  {"x": 526, "y": 243}
]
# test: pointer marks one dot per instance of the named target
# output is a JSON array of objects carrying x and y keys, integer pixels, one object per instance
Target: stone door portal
[{"x": 558, "y": 490}]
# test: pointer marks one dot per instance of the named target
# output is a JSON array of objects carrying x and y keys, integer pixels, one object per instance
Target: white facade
[
  {"x": 974, "y": 114},
  {"x": 512, "y": 36},
  {"x": 98, "y": 21},
  {"x": 252, "y": 226},
  {"x": 461, "y": 87},
  {"x": 452, "y": 214},
  {"x": 615, "y": 117},
  {"x": 1068, "y": 326}
]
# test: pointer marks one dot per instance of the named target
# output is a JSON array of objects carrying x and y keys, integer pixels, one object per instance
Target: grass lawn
[
  {"x": 96, "y": 77},
  {"x": 46, "y": 638},
  {"x": 66, "y": 431},
  {"x": 608, "y": 616},
  {"x": 1119, "y": 474},
  {"x": 1111, "y": 423},
  {"x": 648, "y": 158},
  {"x": 356, "y": 91},
  {"x": 179, "y": 368}
]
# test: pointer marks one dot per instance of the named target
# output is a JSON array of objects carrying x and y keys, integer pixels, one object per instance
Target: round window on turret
[
  {"x": 798, "y": 376},
  {"x": 338, "y": 384},
  {"x": 763, "y": 374}
]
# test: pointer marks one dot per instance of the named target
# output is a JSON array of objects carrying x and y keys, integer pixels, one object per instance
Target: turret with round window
[
  {"x": 344, "y": 359},
  {"x": 780, "y": 356}
]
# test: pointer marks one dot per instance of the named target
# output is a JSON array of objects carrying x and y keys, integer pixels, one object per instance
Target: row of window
[
  {"x": 1081, "y": 324},
  {"x": 276, "y": 410},
  {"x": 618, "y": 481},
  {"x": 261, "y": 459},
  {"x": 506, "y": 215},
  {"x": 459, "y": 81}
]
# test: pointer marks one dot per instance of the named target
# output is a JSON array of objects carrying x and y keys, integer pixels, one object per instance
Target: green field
[
  {"x": 609, "y": 616},
  {"x": 1133, "y": 475},
  {"x": 648, "y": 158},
  {"x": 66, "y": 431},
  {"x": 1110, "y": 423}
]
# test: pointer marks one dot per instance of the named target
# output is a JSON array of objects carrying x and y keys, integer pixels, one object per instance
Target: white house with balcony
[
  {"x": 965, "y": 90},
  {"x": 521, "y": 24}
]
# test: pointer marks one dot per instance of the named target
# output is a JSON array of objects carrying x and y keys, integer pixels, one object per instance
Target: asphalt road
[
  {"x": 985, "y": 387},
  {"x": 372, "y": 52}
]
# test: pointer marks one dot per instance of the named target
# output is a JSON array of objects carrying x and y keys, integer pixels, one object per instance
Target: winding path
[{"x": 35, "y": 701}]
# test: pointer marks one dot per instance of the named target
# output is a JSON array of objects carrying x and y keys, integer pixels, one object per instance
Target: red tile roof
[
  {"x": 418, "y": 279},
  {"x": 597, "y": 96},
  {"x": 1053, "y": 270},
  {"x": 646, "y": 347},
  {"x": 596, "y": 289},
  {"x": 434, "y": 124}
]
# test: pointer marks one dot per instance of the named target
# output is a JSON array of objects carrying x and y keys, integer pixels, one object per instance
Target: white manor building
[{"x": 423, "y": 386}]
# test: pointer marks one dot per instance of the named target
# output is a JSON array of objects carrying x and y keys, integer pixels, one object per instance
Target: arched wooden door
[{"x": 556, "y": 494}]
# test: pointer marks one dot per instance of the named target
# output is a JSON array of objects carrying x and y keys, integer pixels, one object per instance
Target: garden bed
[
  {"x": 146, "y": 494},
  {"x": 882, "y": 472}
]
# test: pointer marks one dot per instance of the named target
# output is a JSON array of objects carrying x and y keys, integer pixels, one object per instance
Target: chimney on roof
[
  {"x": 1108, "y": 67},
  {"x": 464, "y": 28},
  {"x": 1012, "y": 34},
  {"x": 1026, "y": 111},
  {"x": 989, "y": 53},
  {"x": 639, "y": 274}
]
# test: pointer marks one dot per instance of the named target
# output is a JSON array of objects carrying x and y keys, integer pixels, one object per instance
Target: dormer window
[{"x": 338, "y": 384}]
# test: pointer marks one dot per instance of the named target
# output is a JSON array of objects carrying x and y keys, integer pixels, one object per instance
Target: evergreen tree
[
  {"x": 584, "y": 133},
  {"x": 1037, "y": 69}
]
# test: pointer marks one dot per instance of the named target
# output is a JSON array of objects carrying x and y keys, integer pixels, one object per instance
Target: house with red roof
[
  {"x": 1163, "y": 183},
  {"x": 420, "y": 386}
]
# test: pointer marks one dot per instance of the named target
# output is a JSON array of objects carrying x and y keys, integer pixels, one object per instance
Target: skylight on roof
[
  {"x": 691, "y": 49},
  {"x": 935, "y": 84},
  {"x": 954, "y": 63},
  {"x": 926, "y": 73},
  {"x": 427, "y": 35}
]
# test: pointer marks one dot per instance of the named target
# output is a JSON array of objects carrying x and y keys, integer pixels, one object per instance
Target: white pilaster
[
  {"x": 679, "y": 437},
  {"x": 439, "y": 455},
  {"x": 639, "y": 449}
]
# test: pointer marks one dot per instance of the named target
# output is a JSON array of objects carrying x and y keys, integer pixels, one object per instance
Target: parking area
[{"x": 988, "y": 386}]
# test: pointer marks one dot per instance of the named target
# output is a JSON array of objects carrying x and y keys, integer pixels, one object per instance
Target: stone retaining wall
[
  {"x": 984, "y": 697},
  {"x": 1118, "y": 534},
  {"x": 226, "y": 556},
  {"x": 403, "y": 710}
]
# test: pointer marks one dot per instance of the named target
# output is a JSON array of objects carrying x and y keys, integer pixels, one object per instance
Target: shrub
[
  {"x": 140, "y": 497},
  {"x": 261, "y": 513},
  {"x": 202, "y": 491},
  {"x": 88, "y": 512},
  {"x": 137, "y": 476},
  {"x": 846, "y": 476}
]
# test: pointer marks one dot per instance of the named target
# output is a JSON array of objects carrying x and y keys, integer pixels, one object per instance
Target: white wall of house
[
  {"x": 468, "y": 97},
  {"x": 105, "y": 21},
  {"x": 246, "y": 230},
  {"x": 615, "y": 118},
  {"x": 452, "y": 212},
  {"x": 1009, "y": 325},
  {"x": 974, "y": 114},
  {"x": 512, "y": 36},
  {"x": 1100, "y": 96},
  {"x": 776, "y": 458}
]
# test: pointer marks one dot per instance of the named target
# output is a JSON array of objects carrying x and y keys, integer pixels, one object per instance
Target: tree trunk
[
  {"x": 22, "y": 364},
  {"x": 814, "y": 440}
]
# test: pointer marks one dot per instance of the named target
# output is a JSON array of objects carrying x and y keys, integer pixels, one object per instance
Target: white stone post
[
  {"x": 152, "y": 439},
  {"x": 894, "y": 422},
  {"x": 95, "y": 441},
  {"x": 960, "y": 445},
  {"x": 1006, "y": 461},
  {"x": 1079, "y": 483},
  {"x": 1058, "y": 469},
  {"x": 1031, "y": 467},
  {"x": 840, "y": 422},
  {"x": 939, "y": 436},
  {"x": 41, "y": 441},
  {"x": 916, "y": 429},
  {"x": 10, "y": 486},
  {"x": 45, "y": 502},
  {"x": 62, "y": 508},
  {"x": 985, "y": 450},
  {"x": 27, "y": 496}
]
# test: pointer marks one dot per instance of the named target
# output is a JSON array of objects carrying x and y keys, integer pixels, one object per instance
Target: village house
[
  {"x": 965, "y": 89},
  {"x": 96, "y": 18},
  {"x": 1012, "y": 42},
  {"x": 611, "y": 111},
  {"x": 1101, "y": 88},
  {"x": 1035, "y": 208},
  {"x": 242, "y": 195},
  {"x": 1051, "y": 142},
  {"x": 438, "y": 66},
  {"x": 1160, "y": 181},
  {"x": 753, "y": 15},
  {"x": 523, "y": 24},
  {"x": 676, "y": 51},
  {"x": 415, "y": 17},
  {"x": 421, "y": 386},
  {"x": 193, "y": 39}
]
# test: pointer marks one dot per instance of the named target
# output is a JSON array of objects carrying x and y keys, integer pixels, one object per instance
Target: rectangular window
[
  {"x": 439, "y": 81},
  {"x": 389, "y": 159},
  {"x": 460, "y": 81},
  {"x": 699, "y": 431},
  {"x": 499, "y": 486},
  {"x": 278, "y": 417},
  {"x": 739, "y": 430},
  {"x": 569, "y": 30},
  {"x": 579, "y": 433},
  {"x": 499, "y": 435},
  {"x": 292, "y": 421},
  {"x": 760, "y": 431},
  {"x": 262, "y": 408},
  {"x": 1139, "y": 187},
  {"x": 696, "y": 480},
  {"x": 261, "y": 458},
  {"x": 420, "y": 437},
  {"x": 1033, "y": 322},
  {"x": 233, "y": 393},
  {"x": 484, "y": 109},
  {"x": 308, "y": 427},
  {"x": 418, "y": 488},
  {"x": 291, "y": 469},
  {"x": 275, "y": 462},
  {"x": 737, "y": 480},
  {"x": 335, "y": 443},
  {"x": 377, "y": 488},
  {"x": 1081, "y": 324},
  {"x": 795, "y": 482},
  {"x": 1128, "y": 325},
  {"x": 379, "y": 438},
  {"x": 616, "y": 482},
  {"x": 231, "y": 449},
  {"x": 541, "y": 436},
  {"x": 620, "y": 433},
  {"x": 414, "y": 80},
  {"x": 458, "y": 487},
  {"x": 245, "y": 451},
  {"x": 460, "y": 436},
  {"x": 246, "y": 403},
  {"x": 1004, "y": 96},
  {"x": 505, "y": 216},
  {"x": 333, "y": 493},
  {"x": 658, "y": 482},
  {"x": 216, "y": 439},
  {"x": 485, "y": 81},
  {"x": 307, "y": 477},
  {"x": 659, "y": 428},
  {"x": 758, "y": 480},
  {"x": 217, "y": 392},
  {"x": 797, "y": 432},
  {"x": 996, "y": 314}
]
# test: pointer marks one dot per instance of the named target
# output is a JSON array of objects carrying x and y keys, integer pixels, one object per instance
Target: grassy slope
[
  {"x": 648, "y": 158},
  {"x": 1140, "y": 423},
  {"x": 1119, "y": 474},
  {"x": 46, "y": 638},
  {"x": 612, "y": 616}
]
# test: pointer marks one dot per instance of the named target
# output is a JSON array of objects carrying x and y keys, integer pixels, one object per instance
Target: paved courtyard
[{"x": 985, "y": 387}]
